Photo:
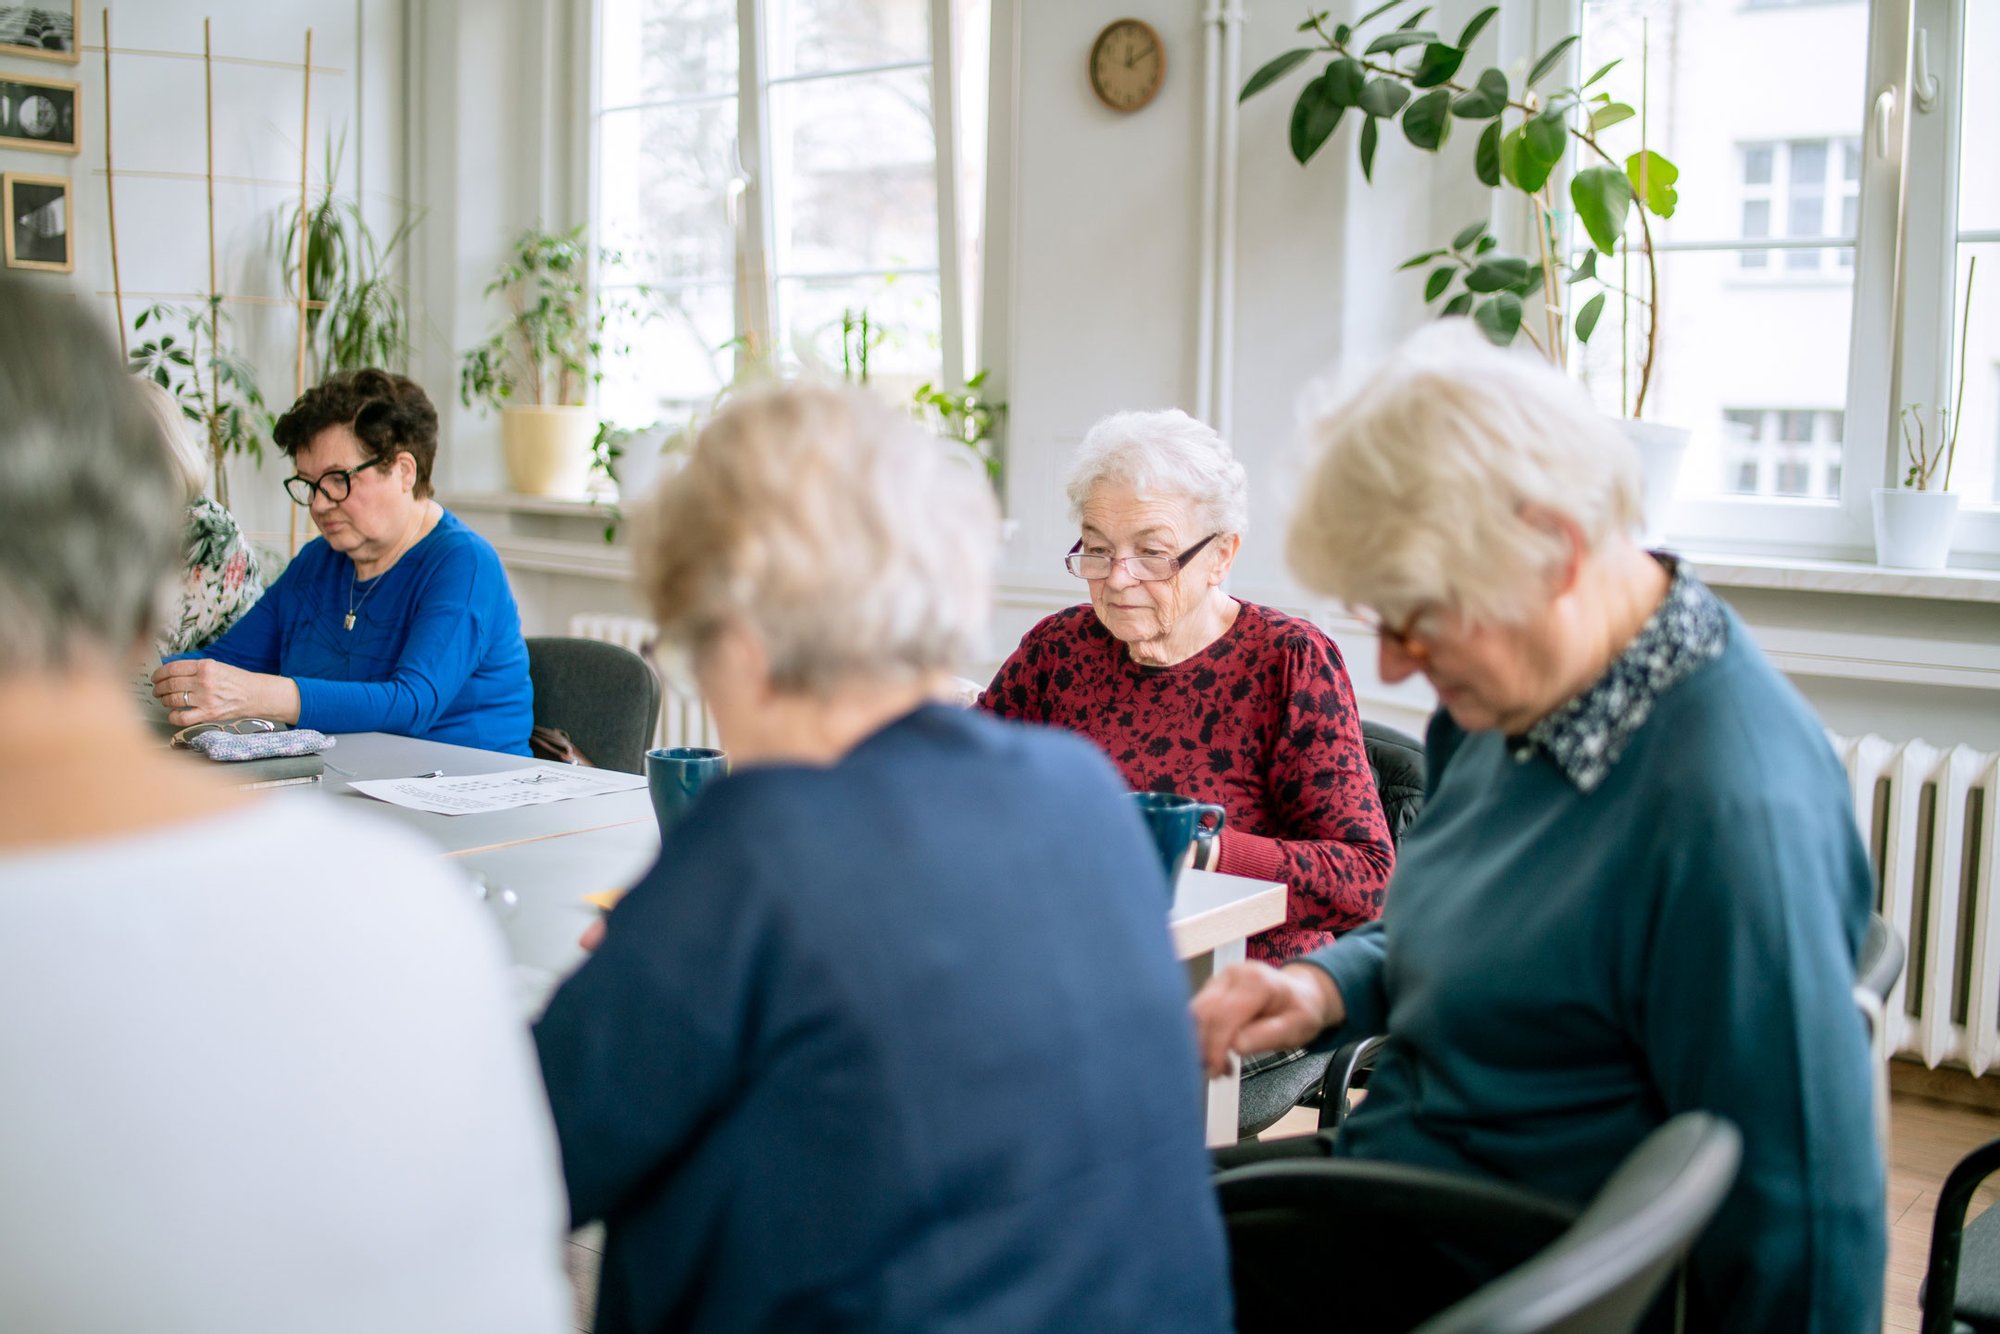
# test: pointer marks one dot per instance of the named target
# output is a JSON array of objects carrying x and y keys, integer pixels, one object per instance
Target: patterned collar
[{"x": 1585, "y": 736}]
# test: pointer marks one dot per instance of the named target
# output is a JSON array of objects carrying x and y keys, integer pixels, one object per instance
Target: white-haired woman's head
[
  {"x": 1163, "y": 455},
  {"x": 176, "y": 436},
  {"x": 857, "y": 548},
  {"x": 1446, "y": 478}
]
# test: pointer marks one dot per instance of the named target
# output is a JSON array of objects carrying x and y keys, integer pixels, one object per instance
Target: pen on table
[{"x": 434, "y": 773}]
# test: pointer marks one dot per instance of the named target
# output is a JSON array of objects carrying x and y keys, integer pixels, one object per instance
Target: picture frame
[
  {"x": 40, "y": 227},
  {"x": 51, "y": 30},
  {"x": 40, "y": 115}
]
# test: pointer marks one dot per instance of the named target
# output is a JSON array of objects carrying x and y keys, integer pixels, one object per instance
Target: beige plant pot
[{"x": 548, "y": 450}]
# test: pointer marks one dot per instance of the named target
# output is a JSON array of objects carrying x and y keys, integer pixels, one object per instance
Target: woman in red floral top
[{"x": 1193, "y": 691}]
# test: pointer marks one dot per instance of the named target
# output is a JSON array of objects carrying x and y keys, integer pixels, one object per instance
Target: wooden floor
[{"x": 1925, "y": 1139}]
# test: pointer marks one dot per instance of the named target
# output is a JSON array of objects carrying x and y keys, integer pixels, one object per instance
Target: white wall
[{"x": 157, "y": 126}]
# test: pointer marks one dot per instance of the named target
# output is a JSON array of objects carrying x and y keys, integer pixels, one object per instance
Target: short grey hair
[
  {"x": 186, "y": 454},
  {"x": 1163, "y": 454},
  {"x": 1425, "y": 469},
  {"x": 91, "y": 510},
  {"x": 854, "y": 544}
]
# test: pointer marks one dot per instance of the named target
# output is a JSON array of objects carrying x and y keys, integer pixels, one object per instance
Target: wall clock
[{"x": 1127, "y": 64}]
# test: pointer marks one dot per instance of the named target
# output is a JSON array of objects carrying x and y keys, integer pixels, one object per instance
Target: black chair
[
  {"x": 606, "y": 697},
  {"x": 1438, "y": 1236},
  {"x": 1270, "y": 1088}
]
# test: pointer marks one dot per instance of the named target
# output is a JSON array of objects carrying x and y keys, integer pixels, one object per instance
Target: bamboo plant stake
[
  {"x": 214, "y": 285},
  {"x": 111, "y": 196},
  {"x": 305, "y": 244}
]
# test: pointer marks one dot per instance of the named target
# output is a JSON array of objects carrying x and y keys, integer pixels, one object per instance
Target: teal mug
[
  {"x": 1176, "y": 822},
  {"x": 675, "y": 775}
]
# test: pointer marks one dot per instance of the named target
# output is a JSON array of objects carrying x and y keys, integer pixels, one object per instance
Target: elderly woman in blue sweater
[
  {"x": 1636, "y": 888},
  {"x": 398, "y": 618}
]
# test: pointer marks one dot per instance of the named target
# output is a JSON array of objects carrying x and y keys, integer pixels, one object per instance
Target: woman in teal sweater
[{"x": 1636, "y": 888}]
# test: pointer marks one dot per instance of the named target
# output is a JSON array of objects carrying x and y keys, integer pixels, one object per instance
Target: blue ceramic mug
[
  {"x": 675, "y": 775},
  {"x": 1176, "y": 822}
]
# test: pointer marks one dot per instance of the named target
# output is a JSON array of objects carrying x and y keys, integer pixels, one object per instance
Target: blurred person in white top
[{"x": 260, "y": 1069}]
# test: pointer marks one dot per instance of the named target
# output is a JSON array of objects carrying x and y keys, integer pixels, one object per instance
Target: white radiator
[
  {"x": 1927, "y": 816},
  {"x": 683, "y": 720}
]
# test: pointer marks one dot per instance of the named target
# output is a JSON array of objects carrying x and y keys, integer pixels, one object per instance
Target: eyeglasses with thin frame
[
  {"x": 240, "y": 726},
  {"x": 1413, "y": 638},
  {"x": 1146, "y": 569},
  {"x": 334, "y": 484}
]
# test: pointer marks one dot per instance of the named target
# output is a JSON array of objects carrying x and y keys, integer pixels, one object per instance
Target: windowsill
[
  {"x": 1789, "y": 574},
  {"x": 491, "y": 502}
]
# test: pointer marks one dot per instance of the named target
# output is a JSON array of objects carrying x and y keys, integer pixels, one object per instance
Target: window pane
[
  {"x": 1743, "y": 363},
  {"x": 1978, "y": 182},
  {"x": 906, "y": 330},
  {"x": 656, "y": 49},
  {"x": 1757, "y": 164},
  {"x": 811, "y": 35},
  {"x": 678, "y": 360},
  {"x": 662, "y": 189},
  {"x": 854, "y": 174}
]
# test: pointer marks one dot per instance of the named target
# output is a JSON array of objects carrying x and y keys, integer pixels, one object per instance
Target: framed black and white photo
[
  {"x": 38, "y": 221},
  {"x": 45, "y": 31},
  {"x": 41, "y": 114}
]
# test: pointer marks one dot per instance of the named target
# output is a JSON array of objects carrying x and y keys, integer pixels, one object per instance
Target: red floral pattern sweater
[{"x": 1262, "y": 722}]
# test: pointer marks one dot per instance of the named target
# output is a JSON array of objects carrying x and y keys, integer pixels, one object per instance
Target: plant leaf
[
  {"x": 1458, "y": 305},
  {"x": 1586, "y": 268},
  {"x": 1314, "y": 117},
  {"x": 1384, "y": 97},
  {"x": 1472, "y": 29},
  {"x": 1469, "y": 233},
  {"x": 1549, "y": 59},
  {"x": 1652, "y": 178},
  {"x": 1521, "y": 168},
  {"x": 1428, "y": 120},
  {"x": 1545, "y": 136},
  {"x": 1369, "y": 138},
  {"x": 1602, "y": 70},
  {"x": 1496, "y": 274},
  {"x": 1499, "y": 317},
  {"x": 1486, "y": 243},
  {"x": 1586, "y": 319},
  {"x": 1440, "y": 62},
  {"x": 1414, "y": 19},
  {"x": 1397, "y": 40},
  {"x": 1602, "y": 197},
  {"x": 1487, "y": 98},
  {"x": 1486, "y": 159},
  {"x": 1377, "y": 12},
  {"x": 1344, "y": 79},
  {"x": 1439, "y": 280},
  {"x": 1608, "y": 115},
  {"x": 1273, "y": 71},
  {"x": 1312, "y": 21},
  {"x": 1341, "y": 32},
  {"x": 1418, "y": 261}
]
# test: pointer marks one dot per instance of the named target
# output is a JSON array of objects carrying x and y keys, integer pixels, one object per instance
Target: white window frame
[
  {"x": 753, "y": 220},
  {"x": 1904, "y": 280}
]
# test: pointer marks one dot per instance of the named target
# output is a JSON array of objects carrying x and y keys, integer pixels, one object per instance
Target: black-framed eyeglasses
[
  {"x": 1146, "y": 569},
  {"x": 1413, "y": 638},
  {"x": 334, "y": 484}
]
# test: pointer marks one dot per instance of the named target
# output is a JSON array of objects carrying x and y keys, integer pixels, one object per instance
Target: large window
[
  {"x": 1806, "y": 285},
  {"x": 786, "y": 177}
]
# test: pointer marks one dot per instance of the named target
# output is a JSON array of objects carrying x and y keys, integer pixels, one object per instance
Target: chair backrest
[
  {"x": 605, "y": 696},
  {"x": 1398, "y": 761},
  {"x": 1604, "y": 1273}
]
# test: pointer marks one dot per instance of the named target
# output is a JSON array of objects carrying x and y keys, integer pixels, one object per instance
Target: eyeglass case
[{"x": 230, "y": 747}]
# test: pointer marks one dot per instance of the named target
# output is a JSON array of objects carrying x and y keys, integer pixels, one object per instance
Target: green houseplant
[
  {"x": 187, "y": 354},
  {"x": 1913, "y": 522},
  {"x": 539, "y": 365},
  {"x": 1411, "y": 76},
  {"x": 358, "y": 316}
]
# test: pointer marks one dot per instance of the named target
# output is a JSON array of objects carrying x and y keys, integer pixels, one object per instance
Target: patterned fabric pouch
[{"x": 232, "y": 746}]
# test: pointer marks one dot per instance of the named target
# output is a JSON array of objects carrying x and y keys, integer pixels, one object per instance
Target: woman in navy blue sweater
[
  {"x": 892, "y": 1037},
  {"x": 397, "y": 618}
]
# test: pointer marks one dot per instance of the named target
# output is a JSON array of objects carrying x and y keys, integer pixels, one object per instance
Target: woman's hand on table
[
  {"x": 200, "y": 690},
  {"x": 1252, "y": 1007}
]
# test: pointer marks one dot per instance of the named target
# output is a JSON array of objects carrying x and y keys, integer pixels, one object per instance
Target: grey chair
[
  {"x": 606, "y": 697},
  {"x": 1272, "y": 1087},
  {"x": 1599, "y": 1271}
]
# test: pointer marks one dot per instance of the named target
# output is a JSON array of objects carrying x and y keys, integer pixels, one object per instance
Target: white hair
[
  {"x": 1163, "y": 454},
  {"x": 855, "y": 545},
  {"x": 1429, "y": 473},
  {"x": 182, "y": 449}
]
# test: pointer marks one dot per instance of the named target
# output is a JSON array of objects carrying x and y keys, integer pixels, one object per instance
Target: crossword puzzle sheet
[{"x": 476, "y": 794}]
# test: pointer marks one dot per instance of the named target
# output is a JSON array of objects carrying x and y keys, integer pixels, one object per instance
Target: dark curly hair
[{"x": 389, "y": 414}]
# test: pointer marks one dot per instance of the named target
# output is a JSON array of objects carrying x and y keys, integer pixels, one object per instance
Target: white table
[{"x": 539, "y": 861}]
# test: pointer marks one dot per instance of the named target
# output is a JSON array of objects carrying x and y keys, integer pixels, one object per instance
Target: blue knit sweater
[
  {"x": 1562, "y": 971},
  {"x": 436, "y": 649}
]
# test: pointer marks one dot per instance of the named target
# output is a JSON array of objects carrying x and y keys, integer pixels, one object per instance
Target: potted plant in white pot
[
  {"x": 538, "y": 367},
  {"x": 1412, "y": 76},
  {"x": 1913, "y": 522}
]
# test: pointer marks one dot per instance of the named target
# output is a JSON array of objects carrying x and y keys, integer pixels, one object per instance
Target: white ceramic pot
[
  {"x": 641, "y": 463},
  {"x": 548, "y": 450},
  {"x": 1661, "y": 449},
  {"x": 1913, "y": 528}
]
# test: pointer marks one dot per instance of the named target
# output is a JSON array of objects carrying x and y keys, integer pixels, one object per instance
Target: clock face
[{"x": 1127, "y": 63}]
